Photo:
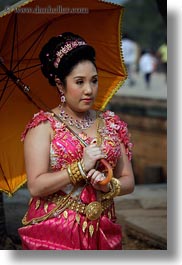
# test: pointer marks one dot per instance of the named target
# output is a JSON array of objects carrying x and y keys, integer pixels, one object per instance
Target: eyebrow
[{"x": 84, "y": 76}]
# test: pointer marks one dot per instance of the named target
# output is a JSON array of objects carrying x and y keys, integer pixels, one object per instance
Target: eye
[
  {"x": 95, "y": 80},
  {"x": 79, "y": 82}
]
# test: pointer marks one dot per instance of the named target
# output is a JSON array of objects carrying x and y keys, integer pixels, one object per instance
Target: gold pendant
[
  {"x": 84, "y": 226},
  {"x": 45, "y": 207},
  {"x": 37, "y": 204},
  {"x": 91, "y": 230},
  {"x": 93, "y": 210},
  {"x": 65, "y": 214},
  {"x": 31, "y": 199},
  {"x": 77, "y": 218}
]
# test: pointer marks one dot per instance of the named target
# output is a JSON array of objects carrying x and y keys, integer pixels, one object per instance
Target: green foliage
[
  {"x": 4, "y": 4},
  {"x": 144, "y": 23}
]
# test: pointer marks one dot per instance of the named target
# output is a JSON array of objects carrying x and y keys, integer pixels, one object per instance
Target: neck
[
  {"x": 80, "y": 120},
  {"x": 73, "y": 113}
]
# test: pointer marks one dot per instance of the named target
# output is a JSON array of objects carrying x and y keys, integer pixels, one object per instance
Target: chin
[{"x": 87, "y": 107}]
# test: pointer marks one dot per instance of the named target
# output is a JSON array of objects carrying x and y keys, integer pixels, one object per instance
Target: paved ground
[
  {"x": 157, "y": 90},
  {"x": 142, "y": 214}
]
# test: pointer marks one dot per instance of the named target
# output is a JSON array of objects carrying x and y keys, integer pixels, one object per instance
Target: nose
[{"x": 88, "y": 89}]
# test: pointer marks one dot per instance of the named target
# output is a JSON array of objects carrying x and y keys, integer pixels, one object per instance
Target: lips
[{"x": 87, "y": 99}]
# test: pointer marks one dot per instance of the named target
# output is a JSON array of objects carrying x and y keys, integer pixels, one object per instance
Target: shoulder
[{"x": 38, "y": 120}]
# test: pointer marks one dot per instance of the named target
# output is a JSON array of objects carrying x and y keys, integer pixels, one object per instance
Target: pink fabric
[{"x": 66, "y": 233}]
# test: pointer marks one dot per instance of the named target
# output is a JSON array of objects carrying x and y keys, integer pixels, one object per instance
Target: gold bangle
[
  {"x": 81, "y": 170},
  {"x": 115, "y": 190},
  {"x": 72, "y": 180},
  {"x": 117, "y": 186},
  {"x": 69, "y": 171},
  {"x": 75, "y": 173}
]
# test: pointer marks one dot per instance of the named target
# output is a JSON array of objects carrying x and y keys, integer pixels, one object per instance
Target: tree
[
  {"x": 143, "y": 21},
  {"x": 162, "y": 6}
]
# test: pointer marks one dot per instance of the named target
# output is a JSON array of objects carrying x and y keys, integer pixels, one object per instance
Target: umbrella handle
[{"x": 109, "y": 172}]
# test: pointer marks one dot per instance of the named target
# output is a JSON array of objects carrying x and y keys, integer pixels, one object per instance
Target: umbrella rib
[
  {"x": 3, "y": 78},
  {"x": 35, "y": 47},
  {"x": 27, "y": 68},
  {"x": 44, "y": 29},
  {"x": 7, "y": 31},
  {"x": 4, "y": 89},
  {"x": 7, "y": 98},
  {"x": 24, "y": 77},
  {"x": 5, "y": 178},
  {"x": 13, "y": 43}
]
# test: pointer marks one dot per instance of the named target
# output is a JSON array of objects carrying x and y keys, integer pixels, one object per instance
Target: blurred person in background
[
  {"x": 162, "y": 57},
  {"x": 147, "y": 65}
]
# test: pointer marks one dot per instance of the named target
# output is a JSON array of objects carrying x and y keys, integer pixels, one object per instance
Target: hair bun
[{"x": 48, "y": 55}]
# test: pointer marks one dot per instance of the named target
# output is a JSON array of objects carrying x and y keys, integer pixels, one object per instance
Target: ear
[{"x": 59, "y": 84}]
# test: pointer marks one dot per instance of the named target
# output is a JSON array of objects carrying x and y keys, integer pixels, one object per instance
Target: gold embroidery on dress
[{"x": 100, "y": 124}]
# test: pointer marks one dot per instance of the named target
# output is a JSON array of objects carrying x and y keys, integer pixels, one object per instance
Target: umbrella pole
[{"x": 24, "y": 88}]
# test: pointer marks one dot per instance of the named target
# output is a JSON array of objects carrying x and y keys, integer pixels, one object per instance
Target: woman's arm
[
  {"x": 124, "y": 172},
  {"x": 41, "y": 182}
]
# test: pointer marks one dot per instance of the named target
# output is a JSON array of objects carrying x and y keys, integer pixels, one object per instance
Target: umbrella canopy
[{"x": 23, "y": 33}]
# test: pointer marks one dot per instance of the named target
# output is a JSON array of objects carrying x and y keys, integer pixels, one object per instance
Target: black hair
[{"x": 48, "y": 56}]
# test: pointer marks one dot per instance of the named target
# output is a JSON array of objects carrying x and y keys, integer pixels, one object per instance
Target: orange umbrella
[{"x": 24, "y": 30}]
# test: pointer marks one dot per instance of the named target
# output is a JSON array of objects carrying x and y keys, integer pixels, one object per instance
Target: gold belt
[{"x": 92, "y": 210}]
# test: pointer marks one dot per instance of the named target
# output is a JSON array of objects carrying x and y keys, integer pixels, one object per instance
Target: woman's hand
[
  {"x": 91, "y": 154},
  {"x": 95, "y": 176}
]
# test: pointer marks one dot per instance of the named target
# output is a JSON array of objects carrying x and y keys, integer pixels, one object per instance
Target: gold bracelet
[
  {"x": 70, "y": 173},
  {"x": 115, "y": 190},
  {"x": 74, "y": 173},
  {"x": 117, "y": 184},
  {"x": 81, "y": 170}
]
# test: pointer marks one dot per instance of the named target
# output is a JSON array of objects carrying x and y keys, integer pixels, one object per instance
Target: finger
[
  {"x": 90, "y": 173},
  {"x": 96, "y": 177}
]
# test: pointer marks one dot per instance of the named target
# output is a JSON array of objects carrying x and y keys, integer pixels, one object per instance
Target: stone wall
[{"x": 147, "y": 123}]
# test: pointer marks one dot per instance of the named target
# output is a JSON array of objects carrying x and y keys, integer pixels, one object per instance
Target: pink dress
[{"x": 50, "y": 226}]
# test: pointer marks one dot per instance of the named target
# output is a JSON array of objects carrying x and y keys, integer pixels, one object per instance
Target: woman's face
[{"x": 81, "y": 87}]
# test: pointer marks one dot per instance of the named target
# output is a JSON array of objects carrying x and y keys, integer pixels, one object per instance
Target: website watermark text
[{"x": 52, "y": 10}]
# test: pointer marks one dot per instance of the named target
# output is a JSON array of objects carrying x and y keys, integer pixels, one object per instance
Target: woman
[{"x": 72, "y": 205}]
